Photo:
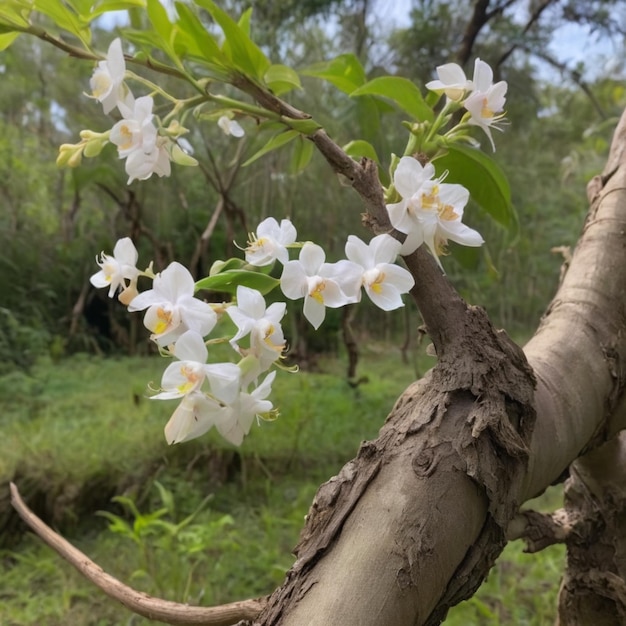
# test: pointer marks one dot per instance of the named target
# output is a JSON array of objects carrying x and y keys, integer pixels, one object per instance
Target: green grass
[{"x": 81, "y": 431}]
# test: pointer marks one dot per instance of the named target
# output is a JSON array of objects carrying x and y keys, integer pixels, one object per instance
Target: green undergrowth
[{"x": 202, "y": 522}]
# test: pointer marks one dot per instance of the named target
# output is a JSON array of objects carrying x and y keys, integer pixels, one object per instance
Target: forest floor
[{"x": 201, "y": 522}]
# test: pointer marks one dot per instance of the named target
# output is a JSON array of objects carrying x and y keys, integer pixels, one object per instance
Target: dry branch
[{"x": 137, "y": 602}]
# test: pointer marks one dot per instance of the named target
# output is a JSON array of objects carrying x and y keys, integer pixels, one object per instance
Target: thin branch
[
  {"x": 140, "y": 603},
  {"x": 574, "y": 75},
  {"x": 534, "y": 17}
]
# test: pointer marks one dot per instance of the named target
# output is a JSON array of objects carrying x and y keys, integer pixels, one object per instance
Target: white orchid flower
[
  {"x": 195, "y": 415},
  {"x": 452, "y": 81},
  {"x": 235, "y": 422},
  {"x": 116, "y": 269},
  {"x": 230, "y": 127},
  {"x": 383, "y": 281},
  {"x": 270, "y": 242},
  {"x": 137, "y": 140},
  {"x": 430, "y": 211},
  {"x": 172, "y": 307},
  {"x": 486, "y": 102},
  {"x": 262, "y": 324},
  {"x": 320, "y": 284},
  {"x": 189, "y": 372},
  {"x": 107, "y": 80}
]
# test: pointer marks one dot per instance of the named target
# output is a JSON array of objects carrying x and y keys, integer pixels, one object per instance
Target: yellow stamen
[
  {"x": 127, "y": 136},
  {"x": 377, "y": 285},
  {"x": 485, "y": 111},
  {"x": 446, "y": 212},
  {"x": 192, "y": 379},
  {"x": 165, "y": 320},
  {"x": 316, "y": 292}
]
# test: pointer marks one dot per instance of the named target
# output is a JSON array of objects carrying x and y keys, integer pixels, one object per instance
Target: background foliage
[{"x": 75, "y": 425}]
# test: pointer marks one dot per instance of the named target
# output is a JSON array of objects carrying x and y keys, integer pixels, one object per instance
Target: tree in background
[{"x": 473, "y": 439}]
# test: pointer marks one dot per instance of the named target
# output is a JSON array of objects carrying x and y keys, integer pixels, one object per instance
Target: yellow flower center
[
  {"x": 446, "y": 212},
  {"x": 432, "y": 202},
  {"x": 316, "y": 291},
  {"x": 127, "y": 137},
  {"x": 192, "y": 377},
  {"x": 101, "y": 83},
  {"x": 164, "y": 321},
  {"x": 374, "y": 279},
  {"x": 486, "y": 112}
]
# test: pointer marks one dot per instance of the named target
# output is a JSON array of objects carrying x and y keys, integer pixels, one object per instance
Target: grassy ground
[{"x": 199, "y": 523}]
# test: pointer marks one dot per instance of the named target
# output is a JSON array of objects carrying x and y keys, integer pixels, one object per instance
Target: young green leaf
[
  {"x": 345, "y": 72},
  {"x": 484, "y": 179},
  {"x": 402, "y": 92},
  {"x": 245, "y": 56},
  {"x": 229, "y": 280},
  {"x": 192, "y": 33},
  {"x": 275, "y": 142},
  {"x": 64, "y": 18},
  {"x": 281, "y": 79},
  {"x": 302, "y": 152},
  {"x": 361, "y": 148}
]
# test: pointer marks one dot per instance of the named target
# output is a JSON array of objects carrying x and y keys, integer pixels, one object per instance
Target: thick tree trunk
[{"x": 413, "y": 524}]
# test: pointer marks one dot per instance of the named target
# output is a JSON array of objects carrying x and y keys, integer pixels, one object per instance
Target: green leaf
[
  {"x": 192, "y": 34},
  {"x": 302, "y": 153},
  {"x": 361, "y": 148},
  {"x": 64, "y": 18},
  {"x": 484, "y": 179},
  {"x": 244, "y": 54},
  {"x": 345, "y": 72},
  {"x": 160, "y": 21},
  {"x": 6, "y": 39},
  {"x": 281, "y": 79},
  {"x": 275, "y": 142},
  {"x": 402, "y": 92},
  {"x": 306, "y": 127},
  {"x": 106, "y": 6},
  {"x": 229, "y": 280}
]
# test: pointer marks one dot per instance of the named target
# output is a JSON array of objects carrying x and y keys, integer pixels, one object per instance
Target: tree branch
[
  {"x": 534, "y": 17},
  {"x": 140, "y": 603}
]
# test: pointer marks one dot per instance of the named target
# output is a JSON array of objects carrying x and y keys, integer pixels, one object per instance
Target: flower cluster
[
  {"x": 229, "y": 395},
  {"x": 430, "y": 211},
  {"x": 482, "y": 98},
  {"x": 148, "y": 147},
  {"x": 225, "y": 395},
  {"x": 333, "y": 285}
]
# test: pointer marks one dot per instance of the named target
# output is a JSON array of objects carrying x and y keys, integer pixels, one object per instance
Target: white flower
[
  {"x": 452, "y": 81},
  {"x": 262, "y": 324},
  {"x": 234, "y": 423},
  {"x": 107, "y": 80},
  {"x": 137, "y": 140},
  {"x": 195, "y": 415},
  {"x": 486, "y": 102},
  {"x": 270, "y": 242},
  {"x": 430, "y": 211},
  {"x": 384, "y": 282},
  {"x": 320, "y": 284},
  {"x": 188, "y": 374},
  {"x": 118, "y": 268},
  {"x": 230, "y": 127},
  {"x": 197, "y": 411},
  {"x": 172, "y": 308}
]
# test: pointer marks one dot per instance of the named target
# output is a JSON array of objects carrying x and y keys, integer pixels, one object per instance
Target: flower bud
[{"x": 179, "y": 156}]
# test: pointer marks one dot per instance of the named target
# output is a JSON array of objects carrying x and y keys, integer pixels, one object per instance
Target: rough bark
[
  {"x": 412, "y": 525},
  {"x": 593, "y": 590}
]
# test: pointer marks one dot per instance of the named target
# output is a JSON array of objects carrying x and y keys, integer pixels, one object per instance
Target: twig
[{"x": 138, "y": 602}]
